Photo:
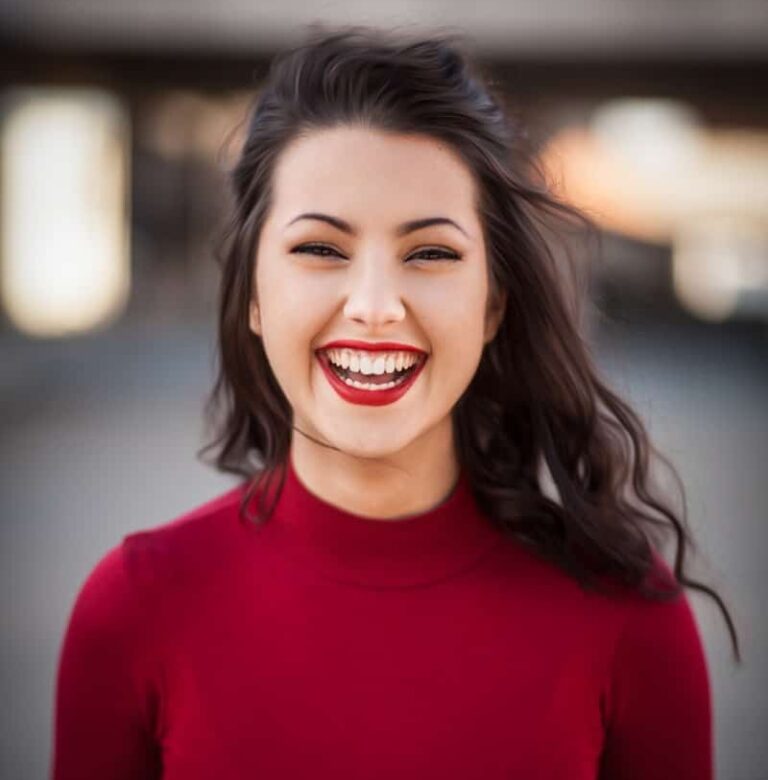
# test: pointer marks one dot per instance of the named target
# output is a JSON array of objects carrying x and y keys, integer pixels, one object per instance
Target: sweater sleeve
[
  {"x": 104, "y": 702},
  {"x": 659, "y": 719}
]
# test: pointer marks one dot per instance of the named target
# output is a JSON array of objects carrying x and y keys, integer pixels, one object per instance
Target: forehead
[{"x": 353, "y": 170}]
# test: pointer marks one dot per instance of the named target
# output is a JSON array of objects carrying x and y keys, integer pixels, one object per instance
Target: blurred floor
[{"x": 98, "y": 440}]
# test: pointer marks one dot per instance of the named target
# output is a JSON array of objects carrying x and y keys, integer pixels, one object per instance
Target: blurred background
[{"x": 118, "y": 123}]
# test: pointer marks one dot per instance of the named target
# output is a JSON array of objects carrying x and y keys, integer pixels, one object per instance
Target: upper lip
[{"x": 379, "y": 346}]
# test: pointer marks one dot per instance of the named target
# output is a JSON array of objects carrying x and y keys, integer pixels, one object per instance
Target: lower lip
[{"x": 368, "y": 397}]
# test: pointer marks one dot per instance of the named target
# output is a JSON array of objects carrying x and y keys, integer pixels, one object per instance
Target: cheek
[
  {"x": 458, "y": 341},
  {"x": 285, "y": 305},
  {"x": 291, "y": 325},
  {"x": 460, "y": 320}
]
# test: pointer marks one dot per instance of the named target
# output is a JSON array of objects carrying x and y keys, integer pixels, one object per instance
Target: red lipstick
[
  {"x": 356, "y": 395},
  {"x": 381, "y": 346}
]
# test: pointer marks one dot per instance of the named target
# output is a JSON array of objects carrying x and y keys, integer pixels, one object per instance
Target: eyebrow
[{"x": 402, "y": 230}]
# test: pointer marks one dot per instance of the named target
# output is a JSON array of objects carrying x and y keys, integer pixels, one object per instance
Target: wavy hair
[{"x": 536, "y": 401}]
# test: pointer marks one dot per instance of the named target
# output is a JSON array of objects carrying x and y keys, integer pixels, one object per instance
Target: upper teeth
[{"x": 372, "y": 362}]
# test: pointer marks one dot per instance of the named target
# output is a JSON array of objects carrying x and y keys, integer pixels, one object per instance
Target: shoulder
[
  {"x": 655, "y": 631},
  {"x": 105, "y": 602},
  {"x": 148, "y": 564},
  {"x": 186, "y": 543},
  {"x": 658, "y": 692},
  {"x": 141, "y": 583},
  {"x": 658, "y": 661},
  {"x": 623, "y": 628}
]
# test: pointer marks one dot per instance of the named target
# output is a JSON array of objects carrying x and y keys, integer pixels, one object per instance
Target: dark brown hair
[{"x": 536, "y": 399}]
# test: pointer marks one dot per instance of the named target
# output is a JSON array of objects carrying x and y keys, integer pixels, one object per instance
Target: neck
[{"x": 408, "y": 482}]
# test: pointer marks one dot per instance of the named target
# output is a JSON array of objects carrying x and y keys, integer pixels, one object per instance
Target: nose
[{"x": 374, "y": 297}]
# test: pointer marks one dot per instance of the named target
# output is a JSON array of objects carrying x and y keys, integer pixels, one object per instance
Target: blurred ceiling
[{"x": 604, "y": 29}]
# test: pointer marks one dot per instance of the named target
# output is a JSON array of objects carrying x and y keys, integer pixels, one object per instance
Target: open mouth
[{"x": 362, "y": 381}]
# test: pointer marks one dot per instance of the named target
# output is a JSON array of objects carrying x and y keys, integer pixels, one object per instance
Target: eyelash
[{"x": 446, "y": 254}]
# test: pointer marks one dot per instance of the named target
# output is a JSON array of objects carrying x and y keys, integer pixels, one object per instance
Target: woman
[{"x": 393, "y": 590}]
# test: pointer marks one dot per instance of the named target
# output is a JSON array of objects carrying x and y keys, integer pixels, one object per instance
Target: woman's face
[{"x": 373, "y": 282}]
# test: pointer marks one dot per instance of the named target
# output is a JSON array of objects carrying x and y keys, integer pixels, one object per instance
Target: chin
[{"x": 370, "y": 448}]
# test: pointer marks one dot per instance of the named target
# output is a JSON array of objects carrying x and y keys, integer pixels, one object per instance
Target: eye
[
  {"x": 437, "y": 254},
  {"x": 430, "y": 254},
  {"x": 320, "y": 250}
]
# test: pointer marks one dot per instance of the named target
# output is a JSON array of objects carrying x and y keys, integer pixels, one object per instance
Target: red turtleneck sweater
[{"x": 327, "y": 645}]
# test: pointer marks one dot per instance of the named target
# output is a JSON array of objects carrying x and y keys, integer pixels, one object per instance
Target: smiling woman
[
  {"x": 386, "y": 272},
  {"x": 392, "y": 590}
]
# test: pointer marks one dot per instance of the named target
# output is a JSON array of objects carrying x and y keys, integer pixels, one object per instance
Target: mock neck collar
[{"x": 415, "y": 549}]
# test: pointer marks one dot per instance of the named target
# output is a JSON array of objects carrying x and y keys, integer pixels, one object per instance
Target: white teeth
[
  {"x": 367, "y": 363},
  {"x": 368, "y": 386}
]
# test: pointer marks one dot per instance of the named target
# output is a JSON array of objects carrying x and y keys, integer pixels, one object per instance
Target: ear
[
  {"x": 254, "y": 318},
  {"x": 495, "y": 314}
]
